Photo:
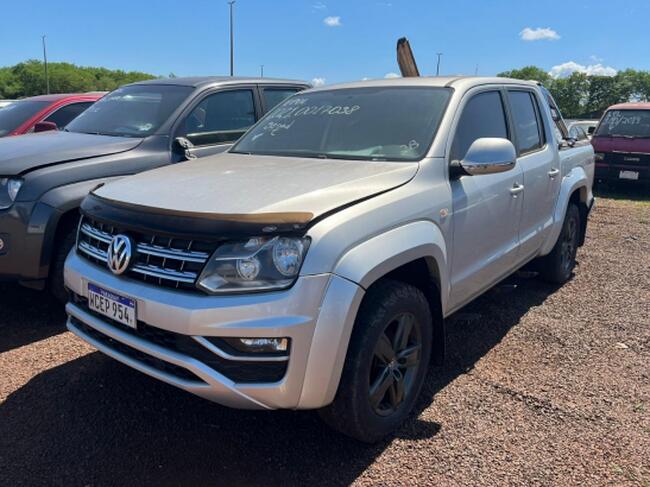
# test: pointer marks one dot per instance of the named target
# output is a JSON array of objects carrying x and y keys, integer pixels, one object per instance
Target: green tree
[
  {"x": 28, "y": 79},
  {"x": 580, "y": 95},
  {"x": 527, "y": 73}
]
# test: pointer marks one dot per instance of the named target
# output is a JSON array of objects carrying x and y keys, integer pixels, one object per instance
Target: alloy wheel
[{"x": 395, "y": 362}]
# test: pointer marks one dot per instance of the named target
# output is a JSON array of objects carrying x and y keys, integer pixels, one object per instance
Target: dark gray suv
[{"x": 44, "y": 177}]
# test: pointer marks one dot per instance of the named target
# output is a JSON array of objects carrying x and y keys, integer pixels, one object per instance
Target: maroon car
[
  {"x": 622, "y": 143},
  {"x": 44, "y": 112}
]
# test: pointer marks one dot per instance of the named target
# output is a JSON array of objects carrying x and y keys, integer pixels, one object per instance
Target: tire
[
  {"x": 372, "y": 363},
  {"x": 55, "y": 280},
  {"x": 557, "y": 267}
]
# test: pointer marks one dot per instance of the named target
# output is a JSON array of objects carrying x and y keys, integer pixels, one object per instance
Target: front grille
[
  {"x": 165, "y": 261},
  {"x": 236, "y": 370}
]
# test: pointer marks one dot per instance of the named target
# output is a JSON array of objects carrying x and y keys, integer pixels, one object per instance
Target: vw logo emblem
[{"x": 119, "y": 254}]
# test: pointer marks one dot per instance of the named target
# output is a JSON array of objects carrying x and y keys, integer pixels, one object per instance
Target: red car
[
  {"x": 44, "y": 112},
  {"x": 622, "y": 143}
]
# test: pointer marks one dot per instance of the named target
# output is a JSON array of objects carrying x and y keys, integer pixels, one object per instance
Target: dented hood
[
  {"x": 28, "y": 152},
  {"x": 256, "y": 189}
]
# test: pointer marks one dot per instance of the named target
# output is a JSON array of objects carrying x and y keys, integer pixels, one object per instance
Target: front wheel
[
  {"x": 386, "y": 363},
  {"x": 557, "y": 267}
]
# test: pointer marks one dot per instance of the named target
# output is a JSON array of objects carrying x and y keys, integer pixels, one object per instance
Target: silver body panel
[{"x": 471, "y": 231}]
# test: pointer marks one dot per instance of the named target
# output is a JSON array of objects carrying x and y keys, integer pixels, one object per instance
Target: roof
[
  {"x": 63, "y": 96},
  {"x": 630, "y": 106},
  {"x": 203, "y": 81},
  {"x": 434, "y": 81}
]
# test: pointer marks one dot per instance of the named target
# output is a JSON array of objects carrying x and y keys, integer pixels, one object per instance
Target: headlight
[
  {"x": 9, "y": 188},
  {"x": 258, "y": 264},
  {"x": 599, "y": 156}
]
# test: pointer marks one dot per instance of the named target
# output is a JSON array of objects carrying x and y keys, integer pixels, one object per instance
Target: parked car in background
[
  {"x": 44, "y": 177},
  {"x": 622, "y": 143},
  {"x": 312, "y": 265},
  {"x": 42, "y": 113},
  {"x": 581, "y": 129},
  {"x": 4, "y": 103}
]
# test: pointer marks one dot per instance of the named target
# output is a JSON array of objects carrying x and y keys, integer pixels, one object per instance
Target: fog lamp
[{"x": 260, "y": 345}]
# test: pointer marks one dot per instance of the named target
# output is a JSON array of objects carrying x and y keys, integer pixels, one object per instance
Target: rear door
[
  {"x": 486, "y": 209},
  {"x": 538, "y": 159}
]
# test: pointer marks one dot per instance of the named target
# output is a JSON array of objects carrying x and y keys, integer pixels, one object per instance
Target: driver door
[
  {"x": 218, "y": 121},
  {"x": 486, "y": 209}
]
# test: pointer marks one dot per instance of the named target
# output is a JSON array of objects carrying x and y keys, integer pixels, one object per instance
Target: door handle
[
  {"x": 516, "y": 189},
  {"x": 553, "y": 173}
]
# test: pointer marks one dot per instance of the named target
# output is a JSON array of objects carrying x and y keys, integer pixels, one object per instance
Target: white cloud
[
  {"x": 318, "y": 81},
  {"x": 332, "y": 21},
  {"x": 539, "y": 34},
  {"x": 392, "y": 75},
  {"x": 566, "y": 69},
  {"x": 319, "y": 6}
]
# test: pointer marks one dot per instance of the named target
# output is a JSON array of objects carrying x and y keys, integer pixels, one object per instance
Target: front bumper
[
  {"x": 317, "y": 314},
  {"x": 27, "y": 232}
]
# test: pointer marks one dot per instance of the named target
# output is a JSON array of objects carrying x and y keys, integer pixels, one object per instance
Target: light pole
[
  {"x": 232, "y": 53},
  {"x": 47, "y": 77},
  {"x": 439, "y": 54},
  {"x": 261, "y": 71}
]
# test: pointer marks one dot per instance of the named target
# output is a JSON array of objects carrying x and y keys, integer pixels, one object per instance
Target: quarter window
[
  {"x": 483, "y": 116},
  {"x": 525, "y": 118},
  {"x": 221, "y": 118}
]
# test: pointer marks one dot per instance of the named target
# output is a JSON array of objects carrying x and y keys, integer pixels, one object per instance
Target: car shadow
[
  {"x": 27, "y": 316},
  {"x": 619, "y": 191},
  {"x": 93, "y": 421}
]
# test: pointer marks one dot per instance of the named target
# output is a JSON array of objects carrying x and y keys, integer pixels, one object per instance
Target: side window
[
  {"x": 578, "y": 133},
  {"x": 525, "y": 118},
  {"x": 221, "y": 117},
  {"x": 64, "y": 115},
  {"x": 483, "y": 116},
  {"x": 273, "y": 96}
]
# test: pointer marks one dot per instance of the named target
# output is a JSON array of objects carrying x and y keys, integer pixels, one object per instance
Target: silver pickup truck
[{"x": 313, "y": 265}]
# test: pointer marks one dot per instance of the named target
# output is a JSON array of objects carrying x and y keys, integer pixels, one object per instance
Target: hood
[
  {"x": 620, "y": 144},
  {"x": 28, "y": 152},
  {"x": 256, "y": 189}
]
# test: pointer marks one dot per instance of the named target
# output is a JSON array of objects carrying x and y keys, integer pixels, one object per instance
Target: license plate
[
  {"x": 111, "y": 305},
  {"x": 634, "y": 175}
]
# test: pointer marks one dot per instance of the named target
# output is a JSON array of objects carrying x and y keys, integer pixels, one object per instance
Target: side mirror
[
  {"x": 489, "y": 155},
  {"x": 591, "y": 130},
  {"x": 183, "y": 143},
  {"x": 186, "y": 146},
  {"x": 44, "y": 126}
]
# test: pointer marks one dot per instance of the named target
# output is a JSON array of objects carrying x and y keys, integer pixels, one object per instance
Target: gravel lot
[{"x": 542, "y": 386}]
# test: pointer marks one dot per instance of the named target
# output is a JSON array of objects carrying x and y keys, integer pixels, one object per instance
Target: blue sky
[{"x": 296, "y": 39}]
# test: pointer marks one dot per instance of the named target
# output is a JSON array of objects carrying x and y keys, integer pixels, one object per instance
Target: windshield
[
  {"x": 132, "y": 111},
  {"x": 625, "y": 123},
  {"x": 382, "y": 123},
  {"x": 15, "y": 114}
]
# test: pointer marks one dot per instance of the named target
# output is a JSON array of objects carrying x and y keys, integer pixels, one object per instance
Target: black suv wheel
[
  {"x": 386, "y": 363},
  {"x": 557, "y": 267}
]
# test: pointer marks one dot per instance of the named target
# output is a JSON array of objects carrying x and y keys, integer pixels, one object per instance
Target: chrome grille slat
[
  {"x": 163, "y": 261},
  {"x": 163, "y": 273},
  {"x": 169, "y": 253}
]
